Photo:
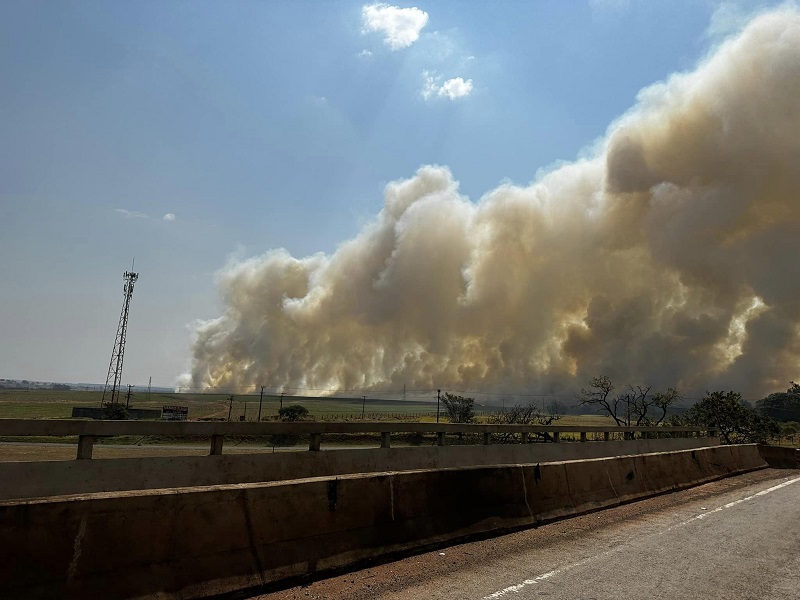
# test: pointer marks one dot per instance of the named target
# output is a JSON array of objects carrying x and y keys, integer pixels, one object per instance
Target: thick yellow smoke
[{"x": 669, "y": 258}]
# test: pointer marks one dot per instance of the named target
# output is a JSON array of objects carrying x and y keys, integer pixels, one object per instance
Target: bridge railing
[{"x": 89, "y": 431}]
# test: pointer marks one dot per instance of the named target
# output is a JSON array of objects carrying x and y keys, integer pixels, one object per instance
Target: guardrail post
[
  {"x": 712, "y": 433},
  {"x": 606, "y": 436},
  {"x": 524, "y": 435},
  {"x": 487, "y": 439},
  {"x": 386, "y": 439},
  {"x": 583, "y": 436},
  {"x": 440, "y": 438},
  {"x": 314, "y": 442},
  {"x": 216, "y": 445},
  {"x": 556, "y": 436},
  {"x": 85, "y": 445}
]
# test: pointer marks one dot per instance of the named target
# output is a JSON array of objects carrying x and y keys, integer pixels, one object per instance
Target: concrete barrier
[
  {"x": 53, "y": 478},
  {"x": 190, "y": 543},
  {"x": 780, "y": 457}
]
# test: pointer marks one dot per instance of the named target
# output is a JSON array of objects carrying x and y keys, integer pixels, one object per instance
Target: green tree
[
  {"x": 295, "y": 412},
  {"x": 782, "y": 406},
  {"x": 459, "y": 409},
  {"x": 291, "y": 413},
  {"x": 736, "y": 422}
]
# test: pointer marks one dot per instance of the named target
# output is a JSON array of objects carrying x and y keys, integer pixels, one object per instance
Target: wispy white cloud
[
  {"x": 365, "y": 53},
  {"x": 400, "y": 26},
  {"x": 429, "y": 88},
  {"x": 453, "y": 88},
  {"x": 131, "y": 214}
]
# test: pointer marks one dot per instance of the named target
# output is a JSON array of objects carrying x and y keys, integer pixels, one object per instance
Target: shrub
[
  {"x": 459, "y": 409},
  {"x": 295, "y": 412},
  {"x": 114, "y": 411}
]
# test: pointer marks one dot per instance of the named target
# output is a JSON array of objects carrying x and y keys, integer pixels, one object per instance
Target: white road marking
[
  {"x": 735, "y": 502},
  {"x": 517, "y": 588}
]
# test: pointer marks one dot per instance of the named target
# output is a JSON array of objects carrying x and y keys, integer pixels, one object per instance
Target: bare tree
[
  {"x": 660, "y": 405},
  {"x": 525, "y": 415},
  {"x": 634, "y": 407},
  {"x": 598, "y": 395}
]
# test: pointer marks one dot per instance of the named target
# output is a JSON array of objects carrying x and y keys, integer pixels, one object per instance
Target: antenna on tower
[{"x": 111, "y": 389}]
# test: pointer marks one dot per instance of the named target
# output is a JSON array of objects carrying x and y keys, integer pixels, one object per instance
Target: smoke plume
[{"x": 669, "y": 257}]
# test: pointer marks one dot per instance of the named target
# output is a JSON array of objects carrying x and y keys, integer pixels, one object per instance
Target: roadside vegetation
[
  {"x": 724, "y": 411},
  {"x": 775, "y": 418}
]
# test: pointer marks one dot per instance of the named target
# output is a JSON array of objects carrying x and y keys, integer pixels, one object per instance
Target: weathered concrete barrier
[
  {"x": 54, "y": 478},
  {"x": 780, "y": 457},
  {"x": 189, "y": 543}
]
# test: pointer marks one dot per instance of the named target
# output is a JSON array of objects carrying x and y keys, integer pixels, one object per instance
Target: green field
[
  {"x": 56, "y": 404},
  {"x": 52, "y": 404}
]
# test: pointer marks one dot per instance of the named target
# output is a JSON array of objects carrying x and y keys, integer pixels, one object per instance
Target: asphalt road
[{"x": 738, "y": 538}]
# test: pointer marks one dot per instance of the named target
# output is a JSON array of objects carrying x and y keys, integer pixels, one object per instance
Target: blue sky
[{"x": 182, "y": 133}]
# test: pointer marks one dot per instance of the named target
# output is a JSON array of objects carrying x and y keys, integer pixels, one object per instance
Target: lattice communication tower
[{"x": 114, "y": 376}]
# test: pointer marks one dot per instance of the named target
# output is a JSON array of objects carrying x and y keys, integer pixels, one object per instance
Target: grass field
[
  {"x": 52, "y": 404},
  {"x": 56, "y": 404},
  {"x": 47, "y": 404}
]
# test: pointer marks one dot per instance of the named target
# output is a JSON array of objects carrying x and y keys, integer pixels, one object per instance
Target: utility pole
[
  {"x": 230, "y": 407},
  {"x": 281, "y": 407},
  {"x": 114, "y": 376},
  {"x": 438, "y": 395},
  {"x": 244, "y": 414},
  {"x": 260, "y": 401},
  {"x": 128, "y": 397},
  {"x": 149, "y": 384},
  {"x": 363, "y": 405}
]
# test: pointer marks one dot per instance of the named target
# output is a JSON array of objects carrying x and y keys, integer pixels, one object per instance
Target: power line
[{"x": 400, "y": 393}]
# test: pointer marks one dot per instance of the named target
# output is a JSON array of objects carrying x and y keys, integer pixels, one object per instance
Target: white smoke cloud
[
  {"x": 668, "y": 257},
  {"x": 169, "y": 217},
  {"x": 400, "y": 26}
]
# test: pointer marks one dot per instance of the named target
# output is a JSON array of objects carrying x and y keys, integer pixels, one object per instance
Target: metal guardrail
[{"x": 89, "y": 431}]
